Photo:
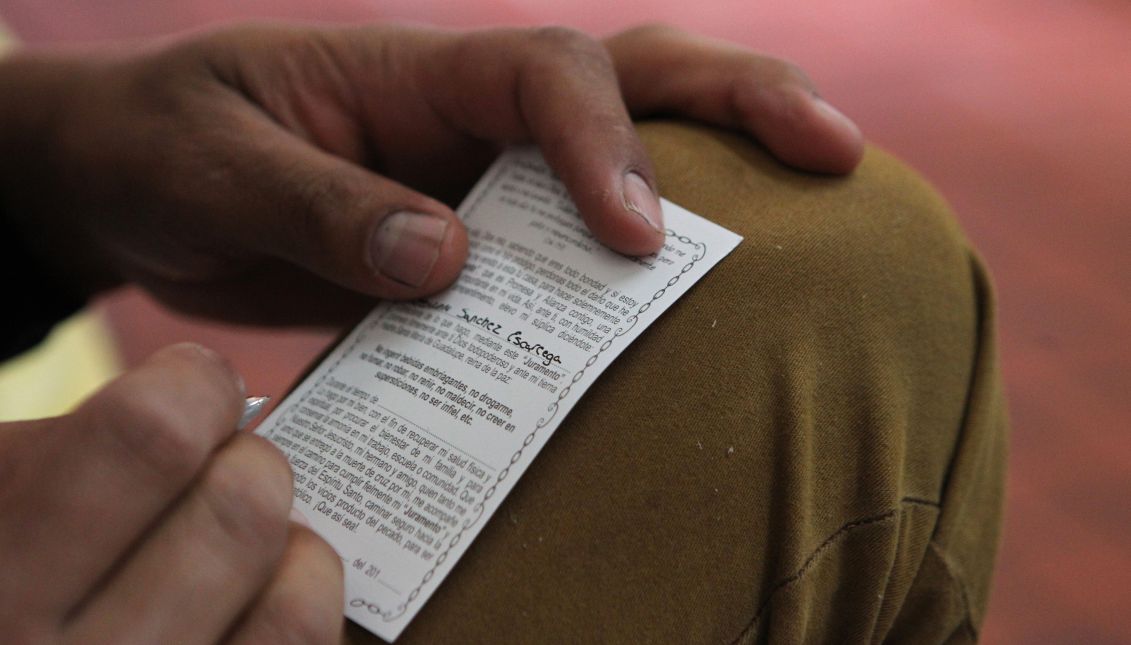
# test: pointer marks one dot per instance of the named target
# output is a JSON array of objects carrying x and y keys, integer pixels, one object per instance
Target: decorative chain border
[{"x": 390, "y": 615}]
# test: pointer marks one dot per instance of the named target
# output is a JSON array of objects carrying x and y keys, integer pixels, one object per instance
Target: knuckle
[
  {"x": 158, "y": 79},
  {"x": 152, "y": 433},
  {"x": 170, "y": 79},
  {"x": 785, "y": 74},
  {"x": 772, "y": 89},
  {"x": 650, "y": 31},
  {"x": 560, "y": 37},
  {"x": 316, "y": 199},
  {"x": 248, "y": 490},
  {"x": 557, "y": 42},
  {"x": 169, "y": 416},
  {"x": 226, "y": 43}
]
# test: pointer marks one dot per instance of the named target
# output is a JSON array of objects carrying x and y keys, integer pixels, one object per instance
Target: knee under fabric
[{"x": 808, "y": 447}]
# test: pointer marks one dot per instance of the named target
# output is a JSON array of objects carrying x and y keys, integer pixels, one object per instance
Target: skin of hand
[
  {"x": 279, "y": 175},
  {"x": 144, "y": 517}
]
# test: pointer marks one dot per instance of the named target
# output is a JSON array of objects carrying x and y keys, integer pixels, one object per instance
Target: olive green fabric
[{"x": 808, "y": 447}]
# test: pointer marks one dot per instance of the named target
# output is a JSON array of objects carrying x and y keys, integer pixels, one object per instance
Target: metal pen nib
[{"x": 252, "y": 406}]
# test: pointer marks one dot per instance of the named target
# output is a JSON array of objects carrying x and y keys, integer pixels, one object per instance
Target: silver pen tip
[{"x": 252, "y": 406}]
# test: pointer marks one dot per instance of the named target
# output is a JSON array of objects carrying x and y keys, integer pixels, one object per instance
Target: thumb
[{"x": 338, "y": 220}]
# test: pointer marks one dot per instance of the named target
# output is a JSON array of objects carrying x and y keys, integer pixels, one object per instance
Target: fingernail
[
  {"x": 298, "y": 518},
  {"x": 639, "y": 198},
  {"x": 200, "y": 349},
  {"x": 406, "y": 245},
  {"x": 836, "y": 117},
  {"x": 216, "y": 358}
]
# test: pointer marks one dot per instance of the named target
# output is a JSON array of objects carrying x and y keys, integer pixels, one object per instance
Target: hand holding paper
[
  {"x": 410, "y": 434},
  {"x": 221, "y": 170}
]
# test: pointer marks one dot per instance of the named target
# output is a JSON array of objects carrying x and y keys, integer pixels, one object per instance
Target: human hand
[
  {"x": 225, "y": 170},
  {"x": 143, "y": 517}
]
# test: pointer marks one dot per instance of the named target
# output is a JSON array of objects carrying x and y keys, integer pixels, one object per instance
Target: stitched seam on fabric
[
  {"x": 911, "y": 501},
  {"x": 829, "y": 541},
  {"x": 986, "y": 320},
  {"x": 921, "y": 502},
  {"x": 983, "y": 294},
  {"x": 788, "y": 580},
  {"x": 961, "y": 584}
]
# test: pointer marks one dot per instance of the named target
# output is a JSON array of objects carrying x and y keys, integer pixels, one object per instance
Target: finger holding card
[{"x": 409, "y": 434}]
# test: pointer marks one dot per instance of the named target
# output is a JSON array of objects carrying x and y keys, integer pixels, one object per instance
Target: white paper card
[{"x": 406, "y": 439}]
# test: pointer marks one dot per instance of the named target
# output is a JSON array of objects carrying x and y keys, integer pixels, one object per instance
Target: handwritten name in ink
[
  {"x": 480, "y": 321},
  {"x": 547, "y": 356}
]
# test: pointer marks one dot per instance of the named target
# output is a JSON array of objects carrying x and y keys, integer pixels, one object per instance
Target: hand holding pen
[{"x": 280, "y": 175}]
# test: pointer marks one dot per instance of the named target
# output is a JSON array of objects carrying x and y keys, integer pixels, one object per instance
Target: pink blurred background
[{"x": 1020, "y": 112}]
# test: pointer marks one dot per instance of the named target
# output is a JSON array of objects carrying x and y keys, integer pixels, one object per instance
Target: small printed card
[{"x": 410, "y": 434}]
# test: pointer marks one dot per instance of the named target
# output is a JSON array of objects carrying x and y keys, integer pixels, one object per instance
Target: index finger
[{"x": 556, "y": 87}]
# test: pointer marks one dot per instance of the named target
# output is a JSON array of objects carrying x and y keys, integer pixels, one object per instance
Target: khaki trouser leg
[{"x": 808, "y": 447}]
